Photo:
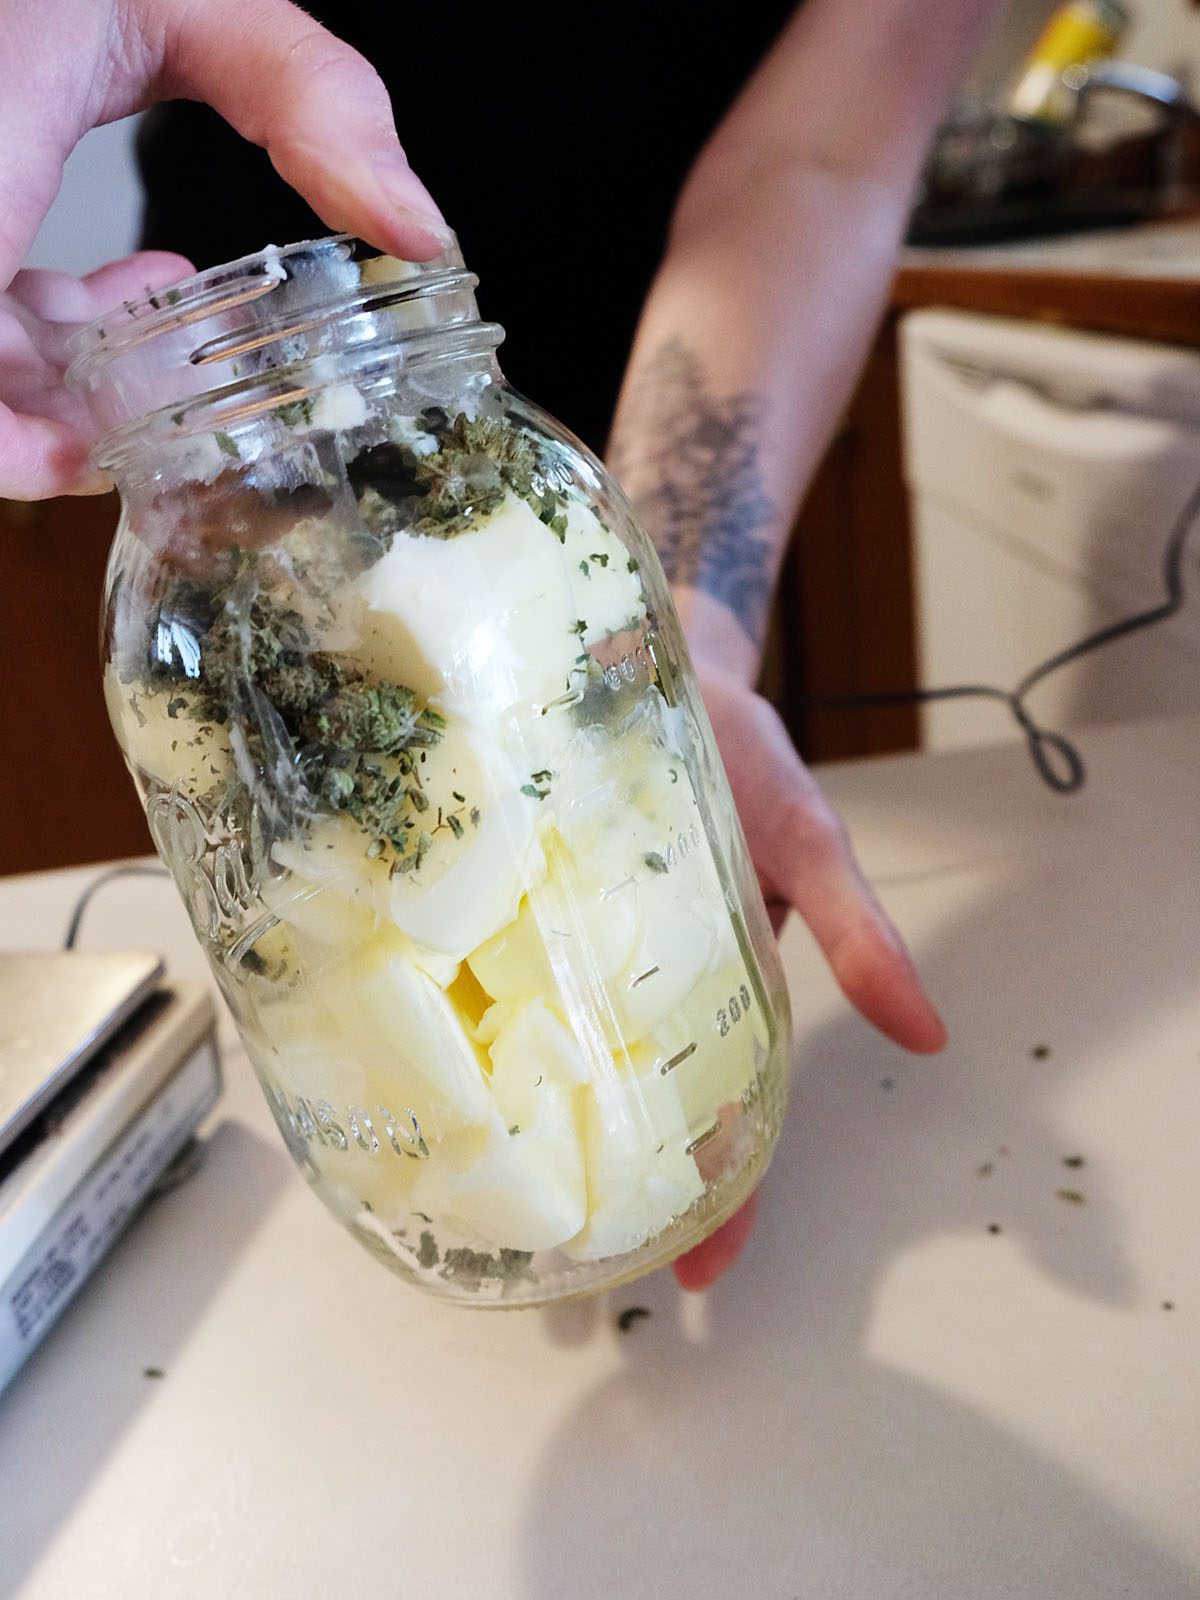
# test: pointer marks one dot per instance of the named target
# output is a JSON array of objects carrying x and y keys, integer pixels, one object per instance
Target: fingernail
[{"x": 408, "y": 197}]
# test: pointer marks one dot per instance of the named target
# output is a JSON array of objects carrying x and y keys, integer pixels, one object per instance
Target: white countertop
[
  {"x": 882, "y": 1401},
  {"x": 1141, "y": 250}
]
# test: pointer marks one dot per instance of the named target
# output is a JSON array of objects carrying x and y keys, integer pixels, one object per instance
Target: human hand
[
  {"x": 805, "y": 862},
  {"x": 69, "y": 65}
]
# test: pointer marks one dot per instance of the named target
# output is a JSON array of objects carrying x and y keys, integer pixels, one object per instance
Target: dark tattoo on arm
[{"x": 689, "y": 461}]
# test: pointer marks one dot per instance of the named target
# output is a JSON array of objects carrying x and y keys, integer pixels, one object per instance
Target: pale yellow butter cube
[
  {"x": 480, "y": 622},
  {"x": 169, "y": 746},
  {"x": 524, "y": 1189},
  {"x": 472, "y": 877},
  {"x": 385, "y": 1014},
  {"x": 639, "y": 1174}
]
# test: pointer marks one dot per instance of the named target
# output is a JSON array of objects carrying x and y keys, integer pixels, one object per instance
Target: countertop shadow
[{"x": 756, "y": 1447}]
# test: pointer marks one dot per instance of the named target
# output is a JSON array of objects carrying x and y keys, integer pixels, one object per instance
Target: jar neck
[{"x": 270, "y": 332}]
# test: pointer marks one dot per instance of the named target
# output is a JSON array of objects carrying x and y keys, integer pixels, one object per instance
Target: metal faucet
[{"x": 1126, "y": 77}]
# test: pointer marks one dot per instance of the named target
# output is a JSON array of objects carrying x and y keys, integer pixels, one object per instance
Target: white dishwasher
[{"x": 1046, "y": 468}]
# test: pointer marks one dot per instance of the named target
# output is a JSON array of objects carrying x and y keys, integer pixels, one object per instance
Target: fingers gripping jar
[{"x": 399, "y": 682}]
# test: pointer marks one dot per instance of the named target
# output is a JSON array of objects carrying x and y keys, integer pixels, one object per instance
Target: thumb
[{"x": 318, "y": 108}]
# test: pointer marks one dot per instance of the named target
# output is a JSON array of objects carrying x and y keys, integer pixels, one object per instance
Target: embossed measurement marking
[
  {"x": 702, "y": 1139},
  {"x": 679, "y": 1057},
  {"x": 734, "y": 1010},
  {"x": 629, "y": 667},
  {"x": 617, "y": 887},
  {"x": 682, "y": 845},
  {"x": 571, "y": 698}
]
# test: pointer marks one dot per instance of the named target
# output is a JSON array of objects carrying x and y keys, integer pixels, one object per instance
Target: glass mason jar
[{"x": 399, "y": 681}]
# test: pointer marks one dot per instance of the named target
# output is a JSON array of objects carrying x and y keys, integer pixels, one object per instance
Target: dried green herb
[
  {"x": 630, "y": 1315},
  {"x": 324, "y": 738},
  {"x": 654, "y": 861},
  {"x": 441, "y": 493},
  {"x": 297, "y": 413},
  {"x": 473, "y": 1268},
  {"x": 427, "y": 1252}
]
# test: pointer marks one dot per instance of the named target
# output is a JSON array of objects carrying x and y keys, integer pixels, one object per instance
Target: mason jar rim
[
  {"x": 242, "y": 282},
  {"x": 220, "y": 342}
]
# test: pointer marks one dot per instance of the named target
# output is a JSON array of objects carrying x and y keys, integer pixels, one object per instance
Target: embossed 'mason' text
[{"x": 374, "y": 1133}]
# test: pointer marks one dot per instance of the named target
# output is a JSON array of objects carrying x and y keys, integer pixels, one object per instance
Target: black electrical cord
[
  {"x": 132, "y": 869},
  {"x": 1057, "y": 760}
]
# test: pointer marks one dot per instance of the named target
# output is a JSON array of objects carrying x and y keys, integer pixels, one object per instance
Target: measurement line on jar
[
  {"x": 572, "y": 698},
  {"x": 617, "y": 887},
  {"x": 642, "y": 976},
  {"x": 702, "y": 1139},
  {"x": 677, "y": 1059}
]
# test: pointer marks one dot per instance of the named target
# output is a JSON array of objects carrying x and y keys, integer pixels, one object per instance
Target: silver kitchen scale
[{"x": 106, "y": 1070}]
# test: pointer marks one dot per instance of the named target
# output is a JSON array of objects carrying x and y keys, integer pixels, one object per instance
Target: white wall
[
  {"x": 97, "y": 214},
  {"x": 1166, "y": 34}
]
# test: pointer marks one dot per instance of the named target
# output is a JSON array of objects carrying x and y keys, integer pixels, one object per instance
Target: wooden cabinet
[
  {"x": 65, "y": 796},
  {"x": 843, "y": 620}
]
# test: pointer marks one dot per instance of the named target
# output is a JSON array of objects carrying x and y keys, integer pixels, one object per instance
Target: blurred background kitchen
[{"x": 1007, "y": 478}]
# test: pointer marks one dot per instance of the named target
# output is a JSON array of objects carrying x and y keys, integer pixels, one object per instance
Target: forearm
[
  {"x": 743, "y": 362},
  {"x": 779, "y": 262}
]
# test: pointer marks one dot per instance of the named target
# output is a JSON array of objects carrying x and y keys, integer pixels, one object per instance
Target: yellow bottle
[{"x": 1079, "y": 32}]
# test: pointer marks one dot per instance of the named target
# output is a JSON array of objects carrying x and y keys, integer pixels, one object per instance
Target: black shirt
[{"x": 555, "y": 138}]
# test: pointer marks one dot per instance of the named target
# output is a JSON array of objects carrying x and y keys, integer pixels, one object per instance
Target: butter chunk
[
  {"x": 472, "y": 876},
  {"x": 328, "y": 889},
  {"x": 639, "y": 1174},
  {"x": 159, "y": 736},
  {"x": 381, "y": 1011},
  {"x": 482, "y": 621},
  {"x": 521, "y": 1190}
]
